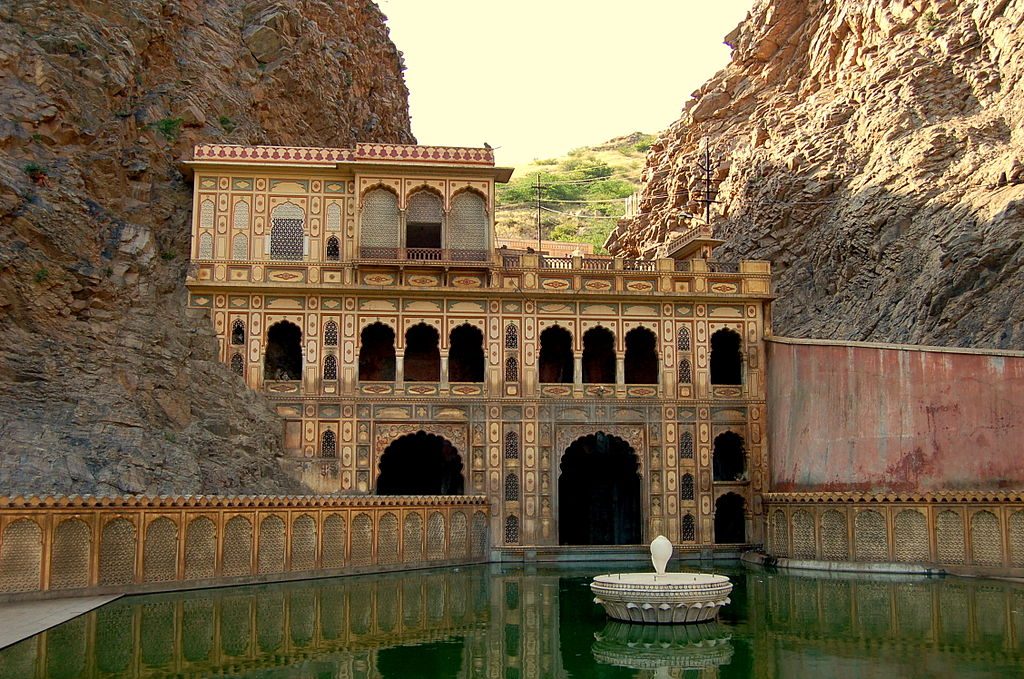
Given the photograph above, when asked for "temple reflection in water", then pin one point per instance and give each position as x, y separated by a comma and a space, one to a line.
504, 623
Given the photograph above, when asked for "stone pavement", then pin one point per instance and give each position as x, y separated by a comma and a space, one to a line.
23, 619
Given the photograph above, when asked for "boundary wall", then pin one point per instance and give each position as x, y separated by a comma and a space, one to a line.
76, 545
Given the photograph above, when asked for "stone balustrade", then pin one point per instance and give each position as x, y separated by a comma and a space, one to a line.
139, 543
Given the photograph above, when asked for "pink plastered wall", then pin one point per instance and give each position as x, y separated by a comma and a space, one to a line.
890, 418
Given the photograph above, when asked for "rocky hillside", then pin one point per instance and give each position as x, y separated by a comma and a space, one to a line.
873, 151
106, 383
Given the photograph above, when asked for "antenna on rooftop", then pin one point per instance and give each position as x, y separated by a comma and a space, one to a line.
706, 166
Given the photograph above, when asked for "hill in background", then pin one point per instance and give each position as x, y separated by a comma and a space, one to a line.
582, 194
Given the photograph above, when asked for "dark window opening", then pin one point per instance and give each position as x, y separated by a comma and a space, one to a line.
283, 360
331, 334
237, 364
329, 444
238, 332
729, 457
330, 368
377, 353
420, 464
689, 532
422, 355
599, 356
599, 493
511, 369
333, 249
726, 358
511, 337
466, 354
423, 221
684, 339
641, 362
730, 523
556, 362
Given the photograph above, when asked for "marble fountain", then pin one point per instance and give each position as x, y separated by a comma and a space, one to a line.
660, 597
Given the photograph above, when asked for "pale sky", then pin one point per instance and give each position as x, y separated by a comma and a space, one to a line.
536, 78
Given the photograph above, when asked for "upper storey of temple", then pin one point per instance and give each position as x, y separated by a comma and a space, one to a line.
398, 215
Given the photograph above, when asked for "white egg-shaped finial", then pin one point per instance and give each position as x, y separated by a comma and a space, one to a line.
661, 552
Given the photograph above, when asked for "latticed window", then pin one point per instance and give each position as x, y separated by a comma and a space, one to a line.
379, 220
689, 532
330, 368
241, 219
511, 369
511, 337
333, 249
686, 487
511, 487
237, 364
334, 217
512, 530
329, 444
468, 230
423, 217
206, 210
511, 445
331, 334
684, 339
685, 372
239, 247
205, 246
287, 236
686, 446
238, 332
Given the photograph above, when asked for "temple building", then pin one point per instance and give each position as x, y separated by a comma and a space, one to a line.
593, 400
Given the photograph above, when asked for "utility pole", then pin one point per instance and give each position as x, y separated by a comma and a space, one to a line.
539, 238
704, 165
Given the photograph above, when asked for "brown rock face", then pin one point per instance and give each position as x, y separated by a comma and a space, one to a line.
107, 384
873, 151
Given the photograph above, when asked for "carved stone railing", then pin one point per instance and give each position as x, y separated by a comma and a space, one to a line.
639, 265
425, 254
974, 531
556, 262
723, 267
598, 263
143, 543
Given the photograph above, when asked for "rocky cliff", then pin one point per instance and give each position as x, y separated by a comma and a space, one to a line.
873, 151
107, 384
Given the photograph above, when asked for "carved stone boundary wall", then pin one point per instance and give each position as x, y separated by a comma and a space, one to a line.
138, 543
970, 532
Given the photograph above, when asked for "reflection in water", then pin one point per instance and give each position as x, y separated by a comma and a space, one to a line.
510, 623
688, 647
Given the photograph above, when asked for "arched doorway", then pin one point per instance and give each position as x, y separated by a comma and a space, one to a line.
283, 359
422, 355
726, 357
556, 361
599, 493
730, 519
466, 354
728, 458
641, 364
420, 464
599, 356
377, 353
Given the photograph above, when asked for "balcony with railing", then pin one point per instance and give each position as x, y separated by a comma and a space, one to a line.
424, 255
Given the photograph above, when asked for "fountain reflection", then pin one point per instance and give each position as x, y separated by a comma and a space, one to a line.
647, 647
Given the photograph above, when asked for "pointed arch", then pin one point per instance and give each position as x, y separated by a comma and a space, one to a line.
466, 354
241, 216
683, 340
239, 247
726, 357
377, 353
511, 336
599, 356
641, 360
334, 217
422, 354
556, 365
238, 332
205, 246
207, 211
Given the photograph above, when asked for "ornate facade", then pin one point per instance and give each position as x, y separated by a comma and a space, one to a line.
361, 292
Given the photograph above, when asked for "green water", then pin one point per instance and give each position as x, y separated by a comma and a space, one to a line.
511, 623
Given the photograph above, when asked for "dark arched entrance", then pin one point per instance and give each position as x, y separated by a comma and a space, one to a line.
283, 359
599, 493
420, 464
726, 358
556, 361
730, 523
